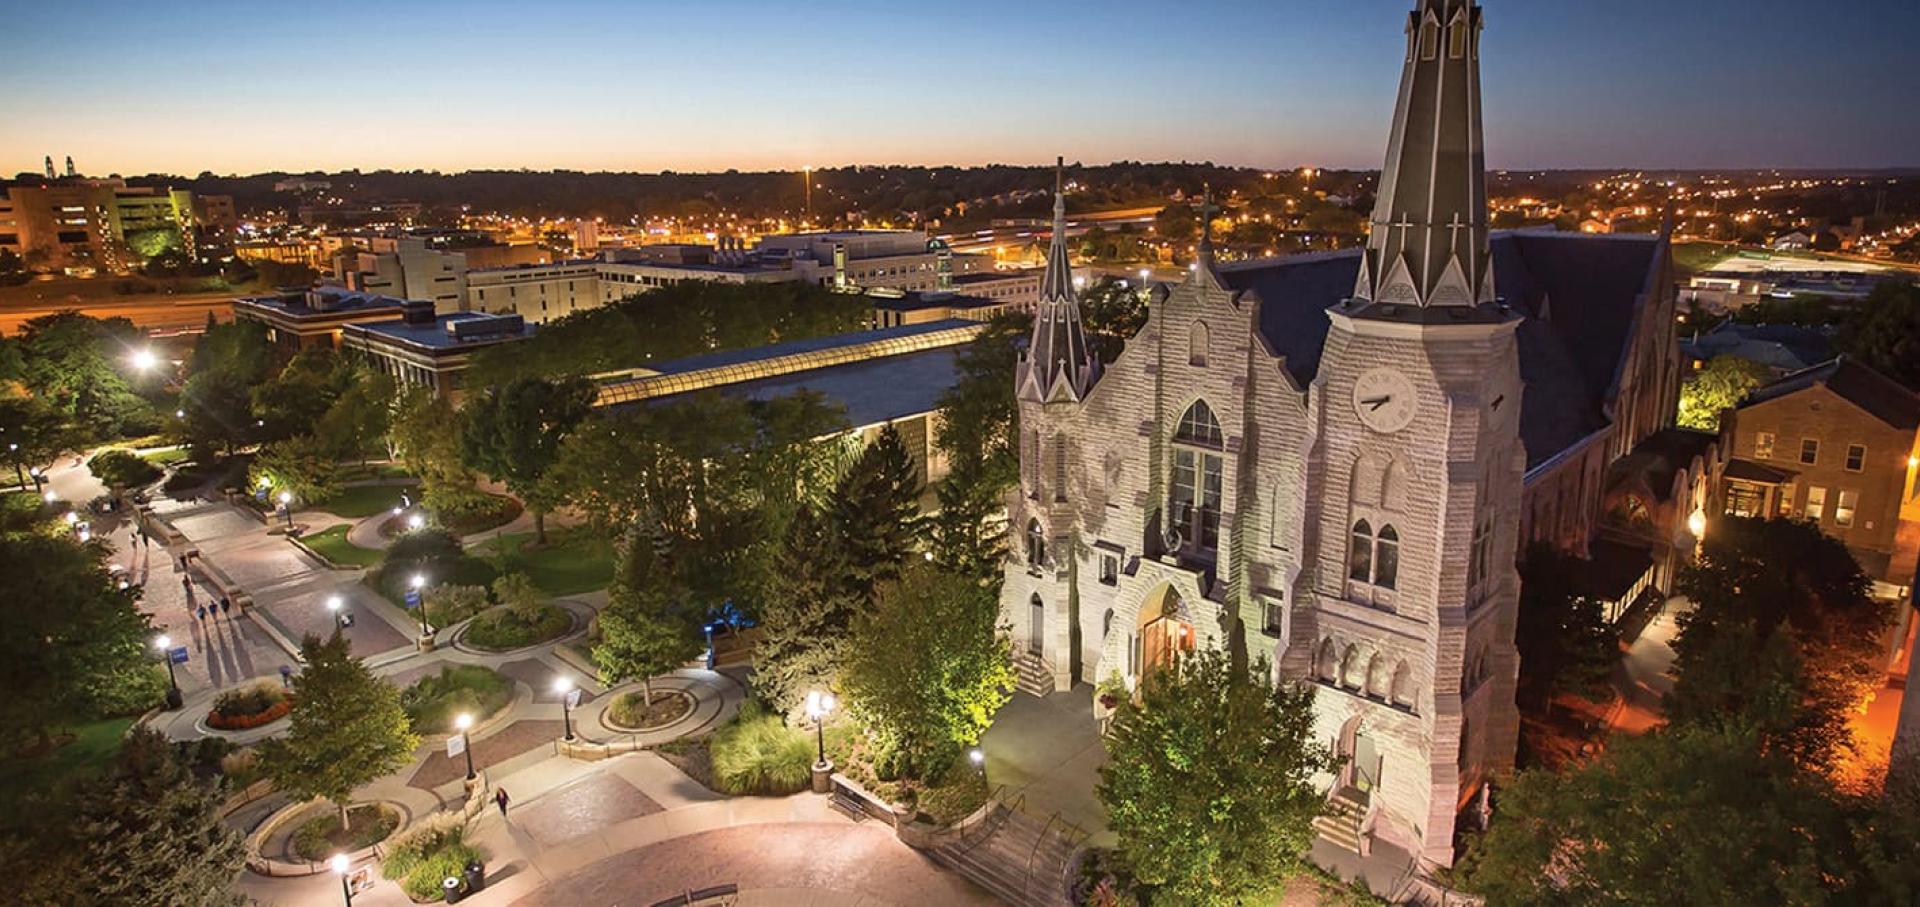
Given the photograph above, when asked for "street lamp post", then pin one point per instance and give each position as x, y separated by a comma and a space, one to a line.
164, 643
564, 686
819, 704
337, 606
463, 722
286, 507
340, 864
419, 584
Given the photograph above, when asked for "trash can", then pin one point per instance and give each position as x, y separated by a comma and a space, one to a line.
476, 876
450, 888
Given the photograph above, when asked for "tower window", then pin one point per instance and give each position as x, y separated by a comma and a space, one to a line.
1374, 559
1197, 345
1360, 556
1457, 39
1036, 545
1196, 491
1429, 40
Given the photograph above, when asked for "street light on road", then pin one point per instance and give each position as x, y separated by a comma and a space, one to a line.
463, 722
564, 686
340, 865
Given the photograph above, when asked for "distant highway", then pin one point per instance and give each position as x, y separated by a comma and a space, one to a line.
155, 311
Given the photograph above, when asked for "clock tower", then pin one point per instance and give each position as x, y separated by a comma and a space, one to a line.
1419, 461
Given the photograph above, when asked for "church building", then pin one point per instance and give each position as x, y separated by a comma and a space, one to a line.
1331, 461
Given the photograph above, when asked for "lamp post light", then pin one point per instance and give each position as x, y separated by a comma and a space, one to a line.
819, 705
337, 606
978, 757
340, 865
286, 507
164, 643
415, 522
419, 585
464, 722
564, 686
144, 360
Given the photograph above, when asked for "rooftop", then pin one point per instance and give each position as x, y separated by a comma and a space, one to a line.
322, 301
1882, 397
438, 335
871, 391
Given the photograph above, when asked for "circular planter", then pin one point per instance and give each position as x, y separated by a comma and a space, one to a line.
460, 641
270, 866
270, 715
607, 720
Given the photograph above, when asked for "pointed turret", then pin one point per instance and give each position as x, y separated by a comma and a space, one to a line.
1059, 364
1428, 245
50, 166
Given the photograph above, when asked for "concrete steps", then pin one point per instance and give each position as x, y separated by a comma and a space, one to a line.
1022, 860
1340, 826
1033, 676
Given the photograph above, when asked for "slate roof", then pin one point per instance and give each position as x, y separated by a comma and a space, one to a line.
1662, 455
1882, 397
1782, 347
1580, 293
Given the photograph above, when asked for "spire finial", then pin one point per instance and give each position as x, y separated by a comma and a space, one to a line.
1207, 210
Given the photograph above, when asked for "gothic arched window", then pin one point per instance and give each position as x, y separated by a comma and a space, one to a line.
1194, 495
1036, 545
1059, 467
1386, 558
1360, 556
1197, 344
1401, 693
1351, 670
1378, 683
1326, 665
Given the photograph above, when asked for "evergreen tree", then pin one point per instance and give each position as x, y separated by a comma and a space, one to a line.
806, 619
875, 514
348, 728
150, 833
969, 534
1208, 781
1565, 643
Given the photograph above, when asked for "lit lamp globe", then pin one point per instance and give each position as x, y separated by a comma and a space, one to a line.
1697, 524
415, 522
145, 360
339, 863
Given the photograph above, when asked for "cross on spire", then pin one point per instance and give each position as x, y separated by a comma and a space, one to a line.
1207, 210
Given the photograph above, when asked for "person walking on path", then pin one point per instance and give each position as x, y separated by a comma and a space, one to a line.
186, 584
501, 799
226, 607
203, 613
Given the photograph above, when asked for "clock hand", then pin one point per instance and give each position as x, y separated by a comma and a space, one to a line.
1374, 403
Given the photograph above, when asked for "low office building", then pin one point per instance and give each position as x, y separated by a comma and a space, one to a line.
315, 316
889, 376
888, 260
428, 349
1839, 445
893, 309
1780, 348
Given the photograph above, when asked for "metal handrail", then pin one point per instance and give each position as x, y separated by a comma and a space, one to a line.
1026, 882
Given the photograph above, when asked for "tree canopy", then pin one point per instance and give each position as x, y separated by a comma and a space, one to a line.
1208, 777
1883, 332
514, 433
1718, 386
347, 727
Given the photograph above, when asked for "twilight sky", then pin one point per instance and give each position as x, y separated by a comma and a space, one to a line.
172, 86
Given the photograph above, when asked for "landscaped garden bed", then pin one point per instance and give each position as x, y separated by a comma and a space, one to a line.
321, 837
432, 554
497, 511
944, 798
755, 753
631, 712
360, 501
433, 850
250, 706
502, 629
573, 561
433, 701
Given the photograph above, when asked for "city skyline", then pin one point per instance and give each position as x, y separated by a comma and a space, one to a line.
753, 87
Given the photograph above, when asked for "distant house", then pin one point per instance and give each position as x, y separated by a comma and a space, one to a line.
1791, 241
1781, 348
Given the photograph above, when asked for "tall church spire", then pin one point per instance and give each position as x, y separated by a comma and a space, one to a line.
1059, 364
1428, 245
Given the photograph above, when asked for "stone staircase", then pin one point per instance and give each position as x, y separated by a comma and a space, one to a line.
1034, 677
1019, 859
1341, 824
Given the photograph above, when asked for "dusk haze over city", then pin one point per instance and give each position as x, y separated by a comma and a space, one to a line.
1458, 453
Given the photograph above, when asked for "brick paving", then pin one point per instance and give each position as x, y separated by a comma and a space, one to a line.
499, 746
584, 806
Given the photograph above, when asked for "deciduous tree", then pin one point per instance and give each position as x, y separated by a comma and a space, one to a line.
646, 628
928, 667
1883, 332
347, 728
514, 434
1716, 388
1208, 781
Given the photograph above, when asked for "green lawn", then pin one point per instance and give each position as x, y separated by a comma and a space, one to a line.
354, 472
166, 457
331, 543
92, 746
573, 562
360, 501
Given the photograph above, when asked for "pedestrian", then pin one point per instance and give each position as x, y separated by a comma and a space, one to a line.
226, 607
186, 585
286, 677
501, 799
203, 614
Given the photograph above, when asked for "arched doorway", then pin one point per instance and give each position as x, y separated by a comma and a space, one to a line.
1036, 625
1163, 630
1359, 755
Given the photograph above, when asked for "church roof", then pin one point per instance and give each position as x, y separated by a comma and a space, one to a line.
1579, 293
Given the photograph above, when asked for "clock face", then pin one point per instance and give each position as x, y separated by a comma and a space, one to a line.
1384, 399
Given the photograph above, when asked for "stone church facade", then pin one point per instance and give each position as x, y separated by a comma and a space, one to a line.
1328, 461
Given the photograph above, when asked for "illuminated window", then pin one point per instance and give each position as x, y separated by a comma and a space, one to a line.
1843, 508
1816, 502
1763, 445
1360, 554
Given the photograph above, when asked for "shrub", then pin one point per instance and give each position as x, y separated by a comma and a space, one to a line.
433, 552
450, 604
319, 837
122, 468
248, 700
758, 754
427, 837
423, 883
508, 628
632, 710
432, 701
241, 767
